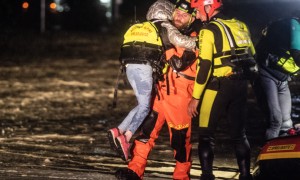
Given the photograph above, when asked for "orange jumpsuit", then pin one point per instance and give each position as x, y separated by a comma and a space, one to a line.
171, 108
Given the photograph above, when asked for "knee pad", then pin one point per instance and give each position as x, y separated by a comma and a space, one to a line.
178, 143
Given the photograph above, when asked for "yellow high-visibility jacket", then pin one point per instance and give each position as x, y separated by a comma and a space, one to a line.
215, 50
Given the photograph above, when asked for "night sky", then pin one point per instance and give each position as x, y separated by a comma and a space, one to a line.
93, 15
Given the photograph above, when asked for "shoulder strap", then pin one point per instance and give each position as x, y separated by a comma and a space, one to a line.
120, 74
229, 37
162, 33
154, 25
165, 43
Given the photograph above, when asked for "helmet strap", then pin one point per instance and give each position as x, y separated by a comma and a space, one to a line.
207, 16
190, 22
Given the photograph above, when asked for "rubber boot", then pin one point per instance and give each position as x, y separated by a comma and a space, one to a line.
206, 157
245, 177
207, 177
140, 155
126, 174
182, 171
242, 150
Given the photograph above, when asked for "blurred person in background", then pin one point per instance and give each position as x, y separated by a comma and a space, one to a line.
175, 92
226, 62
278, 57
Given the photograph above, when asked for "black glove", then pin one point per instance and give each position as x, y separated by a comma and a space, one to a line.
182, 63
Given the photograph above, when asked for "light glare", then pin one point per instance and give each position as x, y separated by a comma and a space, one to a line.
25, 5
53, 6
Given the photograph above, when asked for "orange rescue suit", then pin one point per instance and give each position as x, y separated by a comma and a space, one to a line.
171, 107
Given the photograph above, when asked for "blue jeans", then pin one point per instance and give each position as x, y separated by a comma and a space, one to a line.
140, 79
278, 98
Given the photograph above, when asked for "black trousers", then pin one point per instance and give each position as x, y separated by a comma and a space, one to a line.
223, 98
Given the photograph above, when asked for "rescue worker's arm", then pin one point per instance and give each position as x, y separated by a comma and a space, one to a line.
206, 50
180, 58
178, 39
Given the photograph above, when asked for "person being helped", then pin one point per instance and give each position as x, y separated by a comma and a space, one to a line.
141, 55
175, 93
226, 60
278, 53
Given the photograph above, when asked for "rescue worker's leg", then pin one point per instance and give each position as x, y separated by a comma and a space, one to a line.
237, 117
180, 142
144, 143
206, 153
179, 124
228, 96
211, 109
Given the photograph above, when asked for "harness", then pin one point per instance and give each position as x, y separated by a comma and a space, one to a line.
184, 75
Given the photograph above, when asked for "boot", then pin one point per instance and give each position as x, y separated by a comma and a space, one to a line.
182, 170
207, 177
245, 177
206, 157
126, 174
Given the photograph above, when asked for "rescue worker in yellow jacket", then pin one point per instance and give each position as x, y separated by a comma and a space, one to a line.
170, 106
225, 62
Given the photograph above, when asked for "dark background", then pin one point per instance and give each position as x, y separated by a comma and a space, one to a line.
90, 15
20, 27
82, 29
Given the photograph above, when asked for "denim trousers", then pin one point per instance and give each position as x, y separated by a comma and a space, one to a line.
278, 98
141, 81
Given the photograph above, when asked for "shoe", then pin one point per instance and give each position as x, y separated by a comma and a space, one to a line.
126, 174
123, 147
245, 177
207, 177
292, 132
112, 135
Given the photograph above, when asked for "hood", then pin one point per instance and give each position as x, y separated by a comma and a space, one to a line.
161, 10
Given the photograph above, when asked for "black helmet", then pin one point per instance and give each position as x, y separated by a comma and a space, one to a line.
185, 5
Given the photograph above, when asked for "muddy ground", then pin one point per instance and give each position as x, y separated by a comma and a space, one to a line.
55, 109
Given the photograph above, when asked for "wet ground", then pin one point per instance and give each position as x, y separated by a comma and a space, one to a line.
54, 118
54, 114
